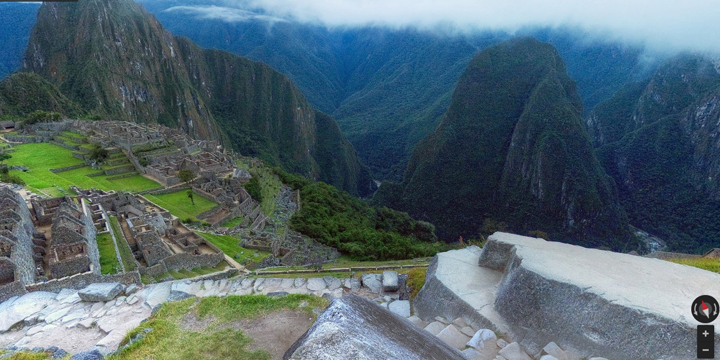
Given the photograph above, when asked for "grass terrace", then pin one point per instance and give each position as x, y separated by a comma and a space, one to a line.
217, 338
232, 223
42, 157
179, 204
229, 245
125, 252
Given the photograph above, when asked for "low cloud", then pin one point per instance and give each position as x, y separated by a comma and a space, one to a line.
223, 13
660, 24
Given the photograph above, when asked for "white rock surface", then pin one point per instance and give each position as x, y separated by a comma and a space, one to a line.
482, 339
553, 349
157, 294
316, 284
548, 357
435, 327
400, 307
513, 352
417, 321
24, 307
451, 335
472, 354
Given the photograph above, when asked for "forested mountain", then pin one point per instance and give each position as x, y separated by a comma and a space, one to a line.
117, 61
512, 147
387, 88
17, 21
660, 141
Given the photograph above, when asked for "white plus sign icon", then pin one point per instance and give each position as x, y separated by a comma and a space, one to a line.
705, 334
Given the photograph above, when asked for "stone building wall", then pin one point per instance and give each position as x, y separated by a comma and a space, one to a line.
67, 267
79, 281
16, 235
10, 290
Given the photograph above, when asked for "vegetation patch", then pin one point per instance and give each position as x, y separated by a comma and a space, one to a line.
109, 263
167, 336
230, 246
337, 219
232, 223
180, 205
126, 254
702, 263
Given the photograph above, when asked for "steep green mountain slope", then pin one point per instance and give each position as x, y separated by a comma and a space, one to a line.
16, 21
23, 93
512, 147
659, 140
116, 60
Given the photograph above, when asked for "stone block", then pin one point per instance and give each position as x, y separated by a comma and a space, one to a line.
554, 350
435, 327
390, 281
513, 351
372, 282
400, 307
451, 335
100, 292
316, 284
482, 339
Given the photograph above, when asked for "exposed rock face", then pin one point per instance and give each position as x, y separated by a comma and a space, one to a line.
117, 61
355, 328
512, 147
598, 302
551, 295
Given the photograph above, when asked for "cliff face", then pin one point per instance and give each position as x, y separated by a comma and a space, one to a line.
117, 61
660, 141
512, 147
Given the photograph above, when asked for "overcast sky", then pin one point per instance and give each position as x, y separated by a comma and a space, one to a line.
662, 24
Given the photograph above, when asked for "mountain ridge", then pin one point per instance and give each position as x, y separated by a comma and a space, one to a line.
512, 147
117, 61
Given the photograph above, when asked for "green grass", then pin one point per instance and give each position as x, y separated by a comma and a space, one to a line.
229, 245
270, 186
109, 263
125, 252
702, 263
232, 223
180, 205
74, 135
28, 356
42, 157
168, 340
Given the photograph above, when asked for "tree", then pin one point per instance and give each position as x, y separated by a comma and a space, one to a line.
99, 154
186, 175
4, 156
191, 196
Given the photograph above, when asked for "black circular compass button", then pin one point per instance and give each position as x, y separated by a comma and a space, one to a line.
705, 309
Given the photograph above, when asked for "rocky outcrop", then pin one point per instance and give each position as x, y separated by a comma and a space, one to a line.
548, 296
355, 328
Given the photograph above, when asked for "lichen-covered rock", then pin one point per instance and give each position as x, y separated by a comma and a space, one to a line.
355, 328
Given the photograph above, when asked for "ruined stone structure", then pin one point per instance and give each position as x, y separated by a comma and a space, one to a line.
72, 246
17, 249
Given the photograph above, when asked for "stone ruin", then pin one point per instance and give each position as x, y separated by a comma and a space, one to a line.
159, 241
54, 239
18, 246
69, 229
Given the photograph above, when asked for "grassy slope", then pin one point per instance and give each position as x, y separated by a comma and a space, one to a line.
168, 340
109, 263
125, 252
40, 158
180, 205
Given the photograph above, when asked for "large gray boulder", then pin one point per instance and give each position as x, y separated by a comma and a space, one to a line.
100, 292
596, 302
355, 328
